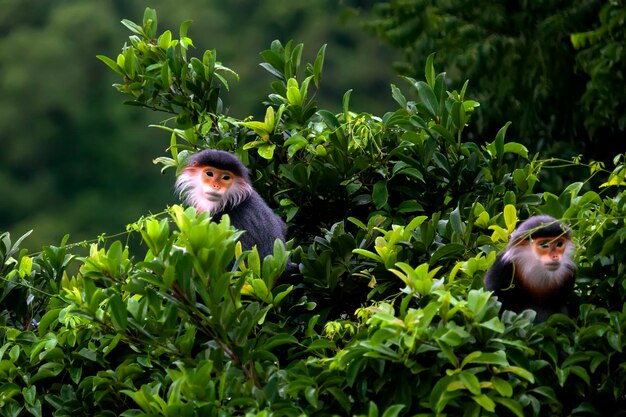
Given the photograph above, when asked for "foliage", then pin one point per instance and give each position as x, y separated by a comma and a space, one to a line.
395, 220
603, 58
522, 63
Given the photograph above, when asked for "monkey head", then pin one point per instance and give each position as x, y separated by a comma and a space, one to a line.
542, 248
214, 181
536, 270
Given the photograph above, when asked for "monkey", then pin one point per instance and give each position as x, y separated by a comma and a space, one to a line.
217, 182
536, 270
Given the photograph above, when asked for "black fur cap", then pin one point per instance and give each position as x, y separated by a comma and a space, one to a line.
220, 159
540, 226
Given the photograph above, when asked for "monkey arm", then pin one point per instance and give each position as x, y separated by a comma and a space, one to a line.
500, 279
500, 276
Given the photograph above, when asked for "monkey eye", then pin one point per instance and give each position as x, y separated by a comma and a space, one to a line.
226, 177
209, 173
543, 245
560, 243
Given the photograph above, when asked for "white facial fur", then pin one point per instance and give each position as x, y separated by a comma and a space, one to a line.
195, 191
532, 270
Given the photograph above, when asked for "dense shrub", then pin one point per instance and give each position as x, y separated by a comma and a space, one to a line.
394, 219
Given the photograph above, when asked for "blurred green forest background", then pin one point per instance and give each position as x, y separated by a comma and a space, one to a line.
74, 160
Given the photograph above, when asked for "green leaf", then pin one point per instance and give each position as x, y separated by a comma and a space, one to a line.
47, 370
260, 289
510, 217
439, 395
454, 337
294, 60
485, 402
130, 62
380, 194
490, 358
427, 95
357, 222
514, 406
521, 372
165, 39
150, 22
26, 266
331, 121
412, 173
184, 27
410, 206
445, 133
398, 96
470, 381
111, 64
269, 119
394, 410
48, 319
8, 390
367, 254
516, 148
14, 353
430, 70
547, 392
372, 410
295, 143
266, 151
294, 96
462, 95
318, 66
581, 373
455, 220
493, 324
135, 28
499, 142
166, 76
503, 387
459, 119
310, 393
345, 105
614, 341
119, 316
449, 251
342, 398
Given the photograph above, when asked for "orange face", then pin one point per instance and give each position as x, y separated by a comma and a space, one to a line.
216, 182
549, 250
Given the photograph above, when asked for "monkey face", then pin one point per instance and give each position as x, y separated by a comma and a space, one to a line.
216, 182
212, 189
550, 251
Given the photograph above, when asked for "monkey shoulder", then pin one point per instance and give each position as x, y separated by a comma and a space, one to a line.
254, 211
501, 279
261, 225
501, 275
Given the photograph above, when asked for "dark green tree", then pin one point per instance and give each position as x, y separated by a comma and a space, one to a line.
602, 57
523, 65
